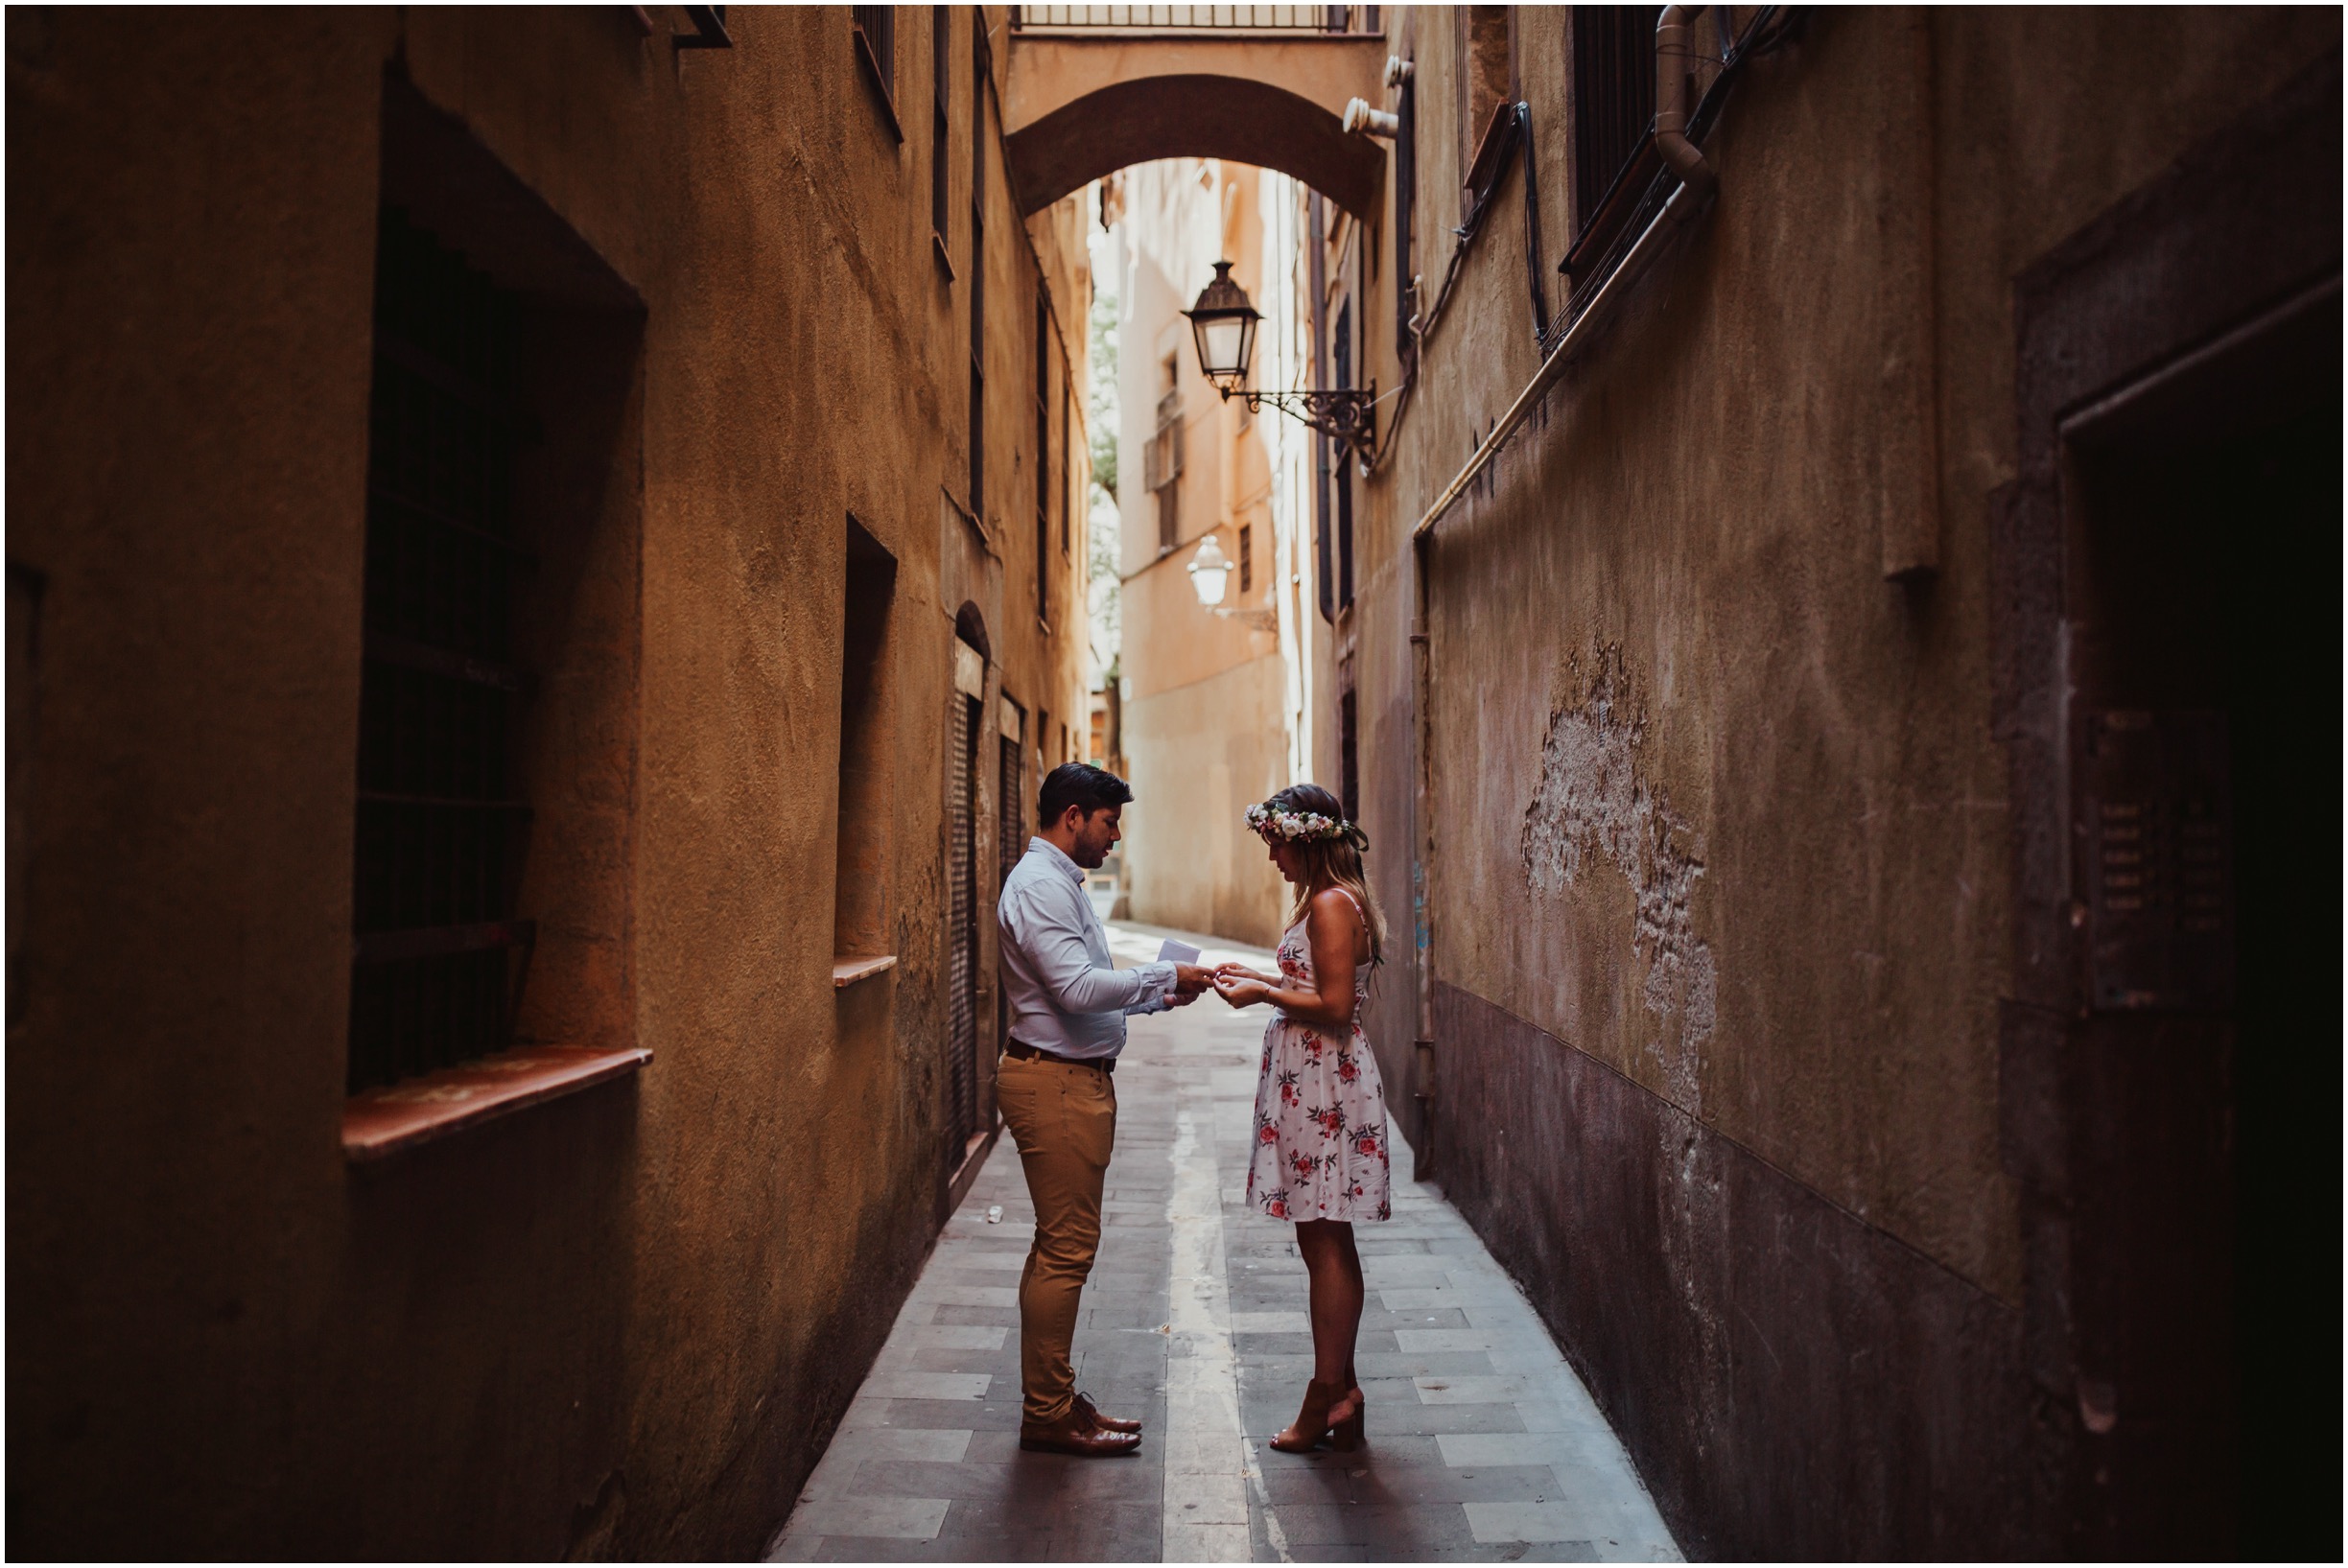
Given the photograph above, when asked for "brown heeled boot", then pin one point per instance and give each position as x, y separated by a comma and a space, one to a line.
1312, 1423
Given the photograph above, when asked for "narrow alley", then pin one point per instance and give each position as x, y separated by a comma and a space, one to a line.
556, 554
1483, 1447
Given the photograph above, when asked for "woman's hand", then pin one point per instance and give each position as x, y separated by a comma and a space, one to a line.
1233, 967
1241, 990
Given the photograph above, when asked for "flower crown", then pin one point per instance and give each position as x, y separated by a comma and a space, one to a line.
1306, 827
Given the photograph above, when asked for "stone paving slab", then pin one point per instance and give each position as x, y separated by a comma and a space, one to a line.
1484, 1447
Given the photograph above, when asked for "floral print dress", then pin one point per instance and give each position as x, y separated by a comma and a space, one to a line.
1320, 1150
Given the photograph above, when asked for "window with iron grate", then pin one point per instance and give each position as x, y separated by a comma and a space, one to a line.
438, 954
874, 30
977, 266
1247, 559
1613, 124
1348, 755
876, 26
1043, 465
941, 68
1341, 355
1161, 463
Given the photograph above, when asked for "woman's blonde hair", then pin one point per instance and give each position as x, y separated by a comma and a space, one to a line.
1331, 861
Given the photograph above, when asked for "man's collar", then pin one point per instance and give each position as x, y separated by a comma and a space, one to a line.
1058, 856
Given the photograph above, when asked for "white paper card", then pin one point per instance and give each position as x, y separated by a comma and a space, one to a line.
1172, 952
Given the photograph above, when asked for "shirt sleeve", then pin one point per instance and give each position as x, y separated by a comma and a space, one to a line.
1054, 944
1160, 994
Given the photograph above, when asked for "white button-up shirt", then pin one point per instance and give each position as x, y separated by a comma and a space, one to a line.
1064, 995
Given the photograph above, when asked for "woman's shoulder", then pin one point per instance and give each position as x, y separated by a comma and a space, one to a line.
1336, 903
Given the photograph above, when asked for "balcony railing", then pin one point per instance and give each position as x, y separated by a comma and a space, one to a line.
1292, 19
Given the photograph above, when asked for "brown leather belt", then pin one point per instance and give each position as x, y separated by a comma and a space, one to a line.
1028, 1053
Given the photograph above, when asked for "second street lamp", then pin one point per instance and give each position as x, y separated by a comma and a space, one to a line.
1223, 322
1209, 570
1211, 578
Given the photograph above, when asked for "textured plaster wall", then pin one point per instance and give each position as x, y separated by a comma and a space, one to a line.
1714, 802
1719, 843
619, 1325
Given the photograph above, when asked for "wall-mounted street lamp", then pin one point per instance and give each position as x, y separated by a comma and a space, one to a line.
1209, 570
1210, 574
1224, 324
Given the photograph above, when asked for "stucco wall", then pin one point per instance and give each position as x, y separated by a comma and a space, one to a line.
1713, 804
621, 1323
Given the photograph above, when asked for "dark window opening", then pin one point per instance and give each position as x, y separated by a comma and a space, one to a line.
977, 265
438, 956
941, 64
1349, 758
1162, 461
1316, 252
1042, 466
1060, 475
1247, 559
1613, 120
860, 921
1342, 351
874, 32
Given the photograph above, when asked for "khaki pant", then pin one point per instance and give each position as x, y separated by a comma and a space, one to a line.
1064, 1120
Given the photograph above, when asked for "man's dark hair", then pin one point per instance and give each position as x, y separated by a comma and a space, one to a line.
1080, 784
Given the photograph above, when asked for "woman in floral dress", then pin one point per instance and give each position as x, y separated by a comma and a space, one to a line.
1320, 1151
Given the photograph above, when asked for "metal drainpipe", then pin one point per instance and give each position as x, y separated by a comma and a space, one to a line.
1674, 63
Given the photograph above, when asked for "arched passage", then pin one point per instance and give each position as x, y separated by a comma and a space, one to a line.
1204, 116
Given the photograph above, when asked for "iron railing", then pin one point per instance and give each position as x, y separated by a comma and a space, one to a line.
1359, 19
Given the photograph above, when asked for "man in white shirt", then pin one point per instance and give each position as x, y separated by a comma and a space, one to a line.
1067, 1008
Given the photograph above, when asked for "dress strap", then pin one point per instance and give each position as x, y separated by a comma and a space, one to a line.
1360, 972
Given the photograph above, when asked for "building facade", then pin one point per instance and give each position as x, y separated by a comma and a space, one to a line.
1797, 614
544, 569
1215, 706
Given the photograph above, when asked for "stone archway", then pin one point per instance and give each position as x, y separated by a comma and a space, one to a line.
1081, 106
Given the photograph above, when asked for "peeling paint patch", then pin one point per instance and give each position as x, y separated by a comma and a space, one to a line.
1593, 807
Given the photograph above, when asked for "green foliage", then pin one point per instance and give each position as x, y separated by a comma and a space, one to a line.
1101, 409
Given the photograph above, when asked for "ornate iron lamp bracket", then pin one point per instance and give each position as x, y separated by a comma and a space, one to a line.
1347, 415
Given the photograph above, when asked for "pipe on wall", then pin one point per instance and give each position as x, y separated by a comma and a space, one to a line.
1675, 65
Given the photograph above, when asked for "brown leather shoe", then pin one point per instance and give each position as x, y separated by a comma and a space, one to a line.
1106, 1423
1075, 1434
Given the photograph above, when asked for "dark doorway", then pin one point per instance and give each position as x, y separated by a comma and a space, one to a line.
2202, 597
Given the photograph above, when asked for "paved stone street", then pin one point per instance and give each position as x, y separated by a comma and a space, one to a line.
1482, 1443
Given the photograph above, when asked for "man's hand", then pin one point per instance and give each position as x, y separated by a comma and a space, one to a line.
1189, 979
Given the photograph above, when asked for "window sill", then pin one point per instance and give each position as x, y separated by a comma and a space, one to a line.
847, 972
937, 249
380, 1122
